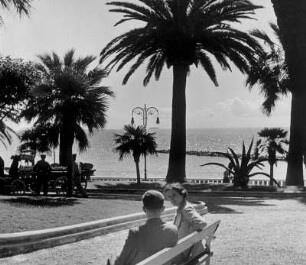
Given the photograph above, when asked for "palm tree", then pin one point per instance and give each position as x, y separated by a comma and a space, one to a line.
22, 6
270, 72
178, 34
271, 142
272, 75
135, 141
290, 19
70, 98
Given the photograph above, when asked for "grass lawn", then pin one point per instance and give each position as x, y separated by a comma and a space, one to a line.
34, 213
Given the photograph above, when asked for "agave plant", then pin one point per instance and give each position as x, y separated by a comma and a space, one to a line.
240, 167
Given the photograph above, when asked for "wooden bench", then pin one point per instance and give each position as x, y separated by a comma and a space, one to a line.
166, 255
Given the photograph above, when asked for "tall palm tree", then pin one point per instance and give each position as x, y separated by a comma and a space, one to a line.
70, 98
272, 75
178, 34
135, 141
22, 6
272, 141
291, 20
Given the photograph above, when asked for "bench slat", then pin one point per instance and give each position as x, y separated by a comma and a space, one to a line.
168, 254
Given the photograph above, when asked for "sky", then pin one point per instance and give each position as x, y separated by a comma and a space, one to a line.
87, 26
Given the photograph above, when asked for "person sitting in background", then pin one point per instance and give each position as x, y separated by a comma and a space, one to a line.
187, 218
76, 177
230, 167
226, 178
151, 237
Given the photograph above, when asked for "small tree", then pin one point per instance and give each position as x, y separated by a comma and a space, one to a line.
272, 141
135, 141
16, 79
41, 138
241, 167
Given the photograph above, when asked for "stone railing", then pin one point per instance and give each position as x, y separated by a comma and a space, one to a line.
252, 182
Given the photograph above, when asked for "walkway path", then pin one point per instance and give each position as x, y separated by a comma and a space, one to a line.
252, 231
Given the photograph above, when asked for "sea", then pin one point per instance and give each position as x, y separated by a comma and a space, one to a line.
107, 164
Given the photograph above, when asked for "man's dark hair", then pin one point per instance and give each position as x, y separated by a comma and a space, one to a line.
153, 200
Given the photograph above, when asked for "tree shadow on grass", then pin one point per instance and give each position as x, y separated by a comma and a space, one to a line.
47, 202
226, 205
113, 196
302, 200
214, 204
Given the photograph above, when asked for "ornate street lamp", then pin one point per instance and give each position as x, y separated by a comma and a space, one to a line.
145, 112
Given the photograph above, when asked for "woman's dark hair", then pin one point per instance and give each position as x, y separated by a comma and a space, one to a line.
178, 187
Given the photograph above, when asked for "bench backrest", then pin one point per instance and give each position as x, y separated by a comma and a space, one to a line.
167, 254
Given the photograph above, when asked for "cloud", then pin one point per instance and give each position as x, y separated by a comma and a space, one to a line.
237, 112
233, 107
239, 108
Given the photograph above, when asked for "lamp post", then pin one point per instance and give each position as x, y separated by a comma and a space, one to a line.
145, 112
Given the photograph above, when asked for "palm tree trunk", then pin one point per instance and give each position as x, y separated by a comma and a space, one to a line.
66, 144
294, 174
65, 149
291, 20
177, 155
271, 173
136, 160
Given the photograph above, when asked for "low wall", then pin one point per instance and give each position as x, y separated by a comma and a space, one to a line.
24, 242
257, 182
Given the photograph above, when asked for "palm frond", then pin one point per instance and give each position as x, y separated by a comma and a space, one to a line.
173, 31
69, 58
22, 6
218, 164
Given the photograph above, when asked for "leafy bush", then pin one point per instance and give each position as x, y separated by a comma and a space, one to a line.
240, 167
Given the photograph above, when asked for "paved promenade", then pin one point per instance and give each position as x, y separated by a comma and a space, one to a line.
266, 231
91, 251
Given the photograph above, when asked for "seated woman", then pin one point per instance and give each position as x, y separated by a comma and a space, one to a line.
187, 218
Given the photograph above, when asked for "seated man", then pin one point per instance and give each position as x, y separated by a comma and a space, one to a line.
151, 237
